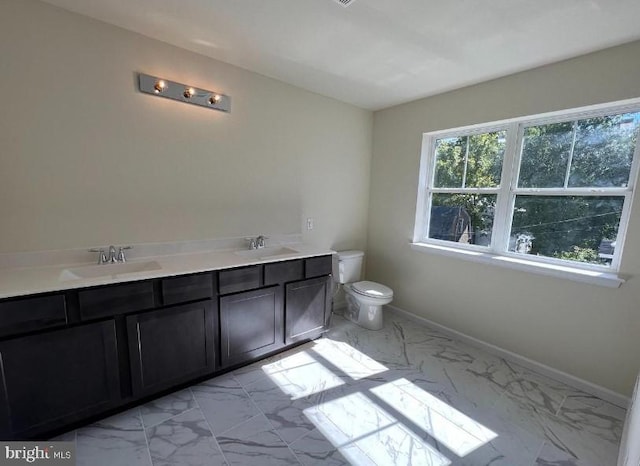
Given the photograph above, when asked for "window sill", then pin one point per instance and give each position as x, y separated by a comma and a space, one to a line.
608, 279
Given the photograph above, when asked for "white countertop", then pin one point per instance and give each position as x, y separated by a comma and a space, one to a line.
20, 281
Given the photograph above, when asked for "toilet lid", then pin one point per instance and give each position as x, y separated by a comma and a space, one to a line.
372, 289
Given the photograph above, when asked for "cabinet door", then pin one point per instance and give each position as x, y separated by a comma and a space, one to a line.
308, 304
171, 346
250, 325
58, 377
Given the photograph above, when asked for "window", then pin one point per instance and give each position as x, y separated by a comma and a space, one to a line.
555, 189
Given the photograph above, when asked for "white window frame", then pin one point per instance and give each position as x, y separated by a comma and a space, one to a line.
497, 252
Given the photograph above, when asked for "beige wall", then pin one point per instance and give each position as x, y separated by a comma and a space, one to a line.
588, 331
85, 159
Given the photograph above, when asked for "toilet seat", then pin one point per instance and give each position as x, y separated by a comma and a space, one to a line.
372, 289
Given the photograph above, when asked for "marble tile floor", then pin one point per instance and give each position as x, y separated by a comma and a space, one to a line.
405, 395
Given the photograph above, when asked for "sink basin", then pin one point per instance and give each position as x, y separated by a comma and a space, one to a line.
267, 253
108, 270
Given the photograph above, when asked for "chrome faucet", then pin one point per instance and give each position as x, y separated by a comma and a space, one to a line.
257, 242
121, 255
102, 256
113, 258
114, 255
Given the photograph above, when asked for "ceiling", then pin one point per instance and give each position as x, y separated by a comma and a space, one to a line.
377, 53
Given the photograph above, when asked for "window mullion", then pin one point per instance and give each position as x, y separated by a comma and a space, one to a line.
465, 190
466, 163
573, 145
571, 191
504, 202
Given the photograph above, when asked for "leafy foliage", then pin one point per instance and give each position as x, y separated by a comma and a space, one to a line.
580, 254
561, 223
474, 162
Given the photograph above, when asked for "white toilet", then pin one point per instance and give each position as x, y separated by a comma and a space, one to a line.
364, 299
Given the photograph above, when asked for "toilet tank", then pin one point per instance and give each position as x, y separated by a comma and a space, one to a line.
350, 266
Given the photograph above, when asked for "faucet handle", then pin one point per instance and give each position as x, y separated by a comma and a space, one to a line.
102, 256
260, 241
253, 243
121, 255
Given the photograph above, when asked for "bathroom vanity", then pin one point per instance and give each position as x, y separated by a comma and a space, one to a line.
73, 354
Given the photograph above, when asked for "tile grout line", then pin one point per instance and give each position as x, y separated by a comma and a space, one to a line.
241, 423
304, 434
557, 413
167, 419
273, 428
540, 448
253, 402
286, 444
146, 437
215, 439
243, 385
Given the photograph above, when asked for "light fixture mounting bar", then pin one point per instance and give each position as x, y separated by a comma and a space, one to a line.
161, 87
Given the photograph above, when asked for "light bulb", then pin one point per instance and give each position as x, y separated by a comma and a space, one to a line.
159, 86
189, 92
214, 99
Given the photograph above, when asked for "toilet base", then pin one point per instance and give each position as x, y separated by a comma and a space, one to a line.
365, 315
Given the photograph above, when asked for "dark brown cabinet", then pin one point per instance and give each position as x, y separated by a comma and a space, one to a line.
187, 288
283, 272
308, 304
317, 266
33, 313
68, 355
250, 325
171, 346
240, 279
107, 301
57, 377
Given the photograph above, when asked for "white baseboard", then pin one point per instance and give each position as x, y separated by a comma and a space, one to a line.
571, 380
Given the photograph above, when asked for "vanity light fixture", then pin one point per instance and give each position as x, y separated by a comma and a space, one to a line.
183, 92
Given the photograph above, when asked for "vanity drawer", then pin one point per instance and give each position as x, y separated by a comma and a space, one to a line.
26, 314
187, 288
283, 272
317, 266
117, 299
241, 279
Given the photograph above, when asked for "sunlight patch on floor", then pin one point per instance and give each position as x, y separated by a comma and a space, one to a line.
458, 432
349, 360
301, 375
393, 422
365, 434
